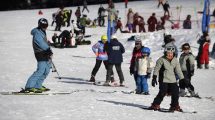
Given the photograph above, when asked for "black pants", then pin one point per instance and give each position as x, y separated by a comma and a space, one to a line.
186, 82
168, 87
86, 9
101, 20
119, 72
97, 66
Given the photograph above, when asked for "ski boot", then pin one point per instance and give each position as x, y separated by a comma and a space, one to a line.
145, 93
175, 108
154, 107
92, 79
182, 93
44, 89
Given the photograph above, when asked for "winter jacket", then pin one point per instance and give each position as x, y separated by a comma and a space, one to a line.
115, 50
187, 24
143, 65
203, 54
170, 68
166, 6
135, 54
152, 21
99, 50
187, 62
41, 48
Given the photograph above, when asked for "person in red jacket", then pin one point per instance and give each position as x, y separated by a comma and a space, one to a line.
203, 55
152, 21
136, 19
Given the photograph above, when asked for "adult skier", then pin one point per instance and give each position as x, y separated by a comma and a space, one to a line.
43, 55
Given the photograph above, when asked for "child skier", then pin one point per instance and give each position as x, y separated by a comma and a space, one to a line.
166, 67
135, 54
101, 56
143, 65
187, 63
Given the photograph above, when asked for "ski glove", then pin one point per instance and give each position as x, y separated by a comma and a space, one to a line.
148, 75
154, 80
191, 73
131, 71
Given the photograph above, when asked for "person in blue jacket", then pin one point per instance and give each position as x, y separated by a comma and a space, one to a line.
43, 55
114, 50
101, 56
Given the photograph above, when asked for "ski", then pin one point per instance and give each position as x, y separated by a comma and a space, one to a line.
164, 110
32, 93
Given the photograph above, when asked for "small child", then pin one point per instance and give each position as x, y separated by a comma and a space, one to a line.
144, 66
187, 63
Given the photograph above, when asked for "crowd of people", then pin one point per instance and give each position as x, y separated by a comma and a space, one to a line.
168, 71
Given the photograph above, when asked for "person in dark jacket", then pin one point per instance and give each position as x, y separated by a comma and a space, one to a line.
114, 50
187, 63
101, 14
59, 21
65, 38
187, 24
78, 14
152, 21
43, 55
166, 8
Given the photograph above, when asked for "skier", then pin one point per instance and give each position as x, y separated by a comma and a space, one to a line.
101, 56
112, 15
152, 21
187, 24
136, 53
143, 65
166, 67
83, 23
78, 14
114, 50
101, 18
130, 19
43, 55
187, 63
85, 6
136, 22
166, 8
59, 21
203, 54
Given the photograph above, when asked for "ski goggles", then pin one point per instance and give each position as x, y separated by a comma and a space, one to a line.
170, 49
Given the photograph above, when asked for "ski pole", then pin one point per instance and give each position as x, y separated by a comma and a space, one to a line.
54, 69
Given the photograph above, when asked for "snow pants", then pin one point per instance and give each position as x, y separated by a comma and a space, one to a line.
37, 78
186, 82
168, 87
98, 65
142, 85
119, 72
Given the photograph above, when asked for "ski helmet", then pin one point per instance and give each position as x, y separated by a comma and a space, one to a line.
104, 38
146, 50
169, 49
43, 23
